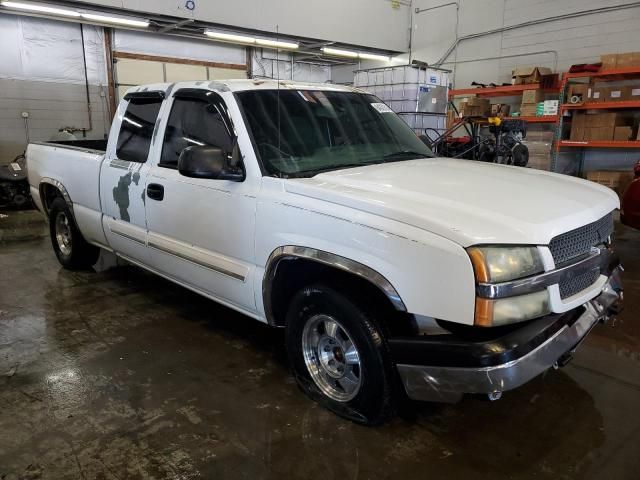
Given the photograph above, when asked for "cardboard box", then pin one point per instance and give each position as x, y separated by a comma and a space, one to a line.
598, 94
599, 133
532, 96
634, 93
612, 61
616, 180
475, 107
616, 94
528, 110
609, 61
500, 109
527, 75
597, 126
477, 102
609, 119
577, 133
628, 59
578, 93
622, 134
472, 111
539, 136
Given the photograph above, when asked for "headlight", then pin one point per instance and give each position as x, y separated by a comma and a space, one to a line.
497, 264
503, 311
501, 264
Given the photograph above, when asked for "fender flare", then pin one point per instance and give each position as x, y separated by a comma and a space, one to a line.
326, 258
63, 191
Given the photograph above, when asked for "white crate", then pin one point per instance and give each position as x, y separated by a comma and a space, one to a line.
404, 105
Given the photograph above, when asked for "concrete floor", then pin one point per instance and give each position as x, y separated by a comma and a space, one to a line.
123, 375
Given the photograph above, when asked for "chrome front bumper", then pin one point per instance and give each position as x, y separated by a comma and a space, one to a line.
448, 384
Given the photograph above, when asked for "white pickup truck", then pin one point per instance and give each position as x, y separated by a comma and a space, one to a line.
316, 209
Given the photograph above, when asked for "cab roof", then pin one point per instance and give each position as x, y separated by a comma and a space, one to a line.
240, 85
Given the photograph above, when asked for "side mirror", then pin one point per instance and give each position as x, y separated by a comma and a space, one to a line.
208, 162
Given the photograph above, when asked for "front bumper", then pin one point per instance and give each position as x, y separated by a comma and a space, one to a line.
435, 369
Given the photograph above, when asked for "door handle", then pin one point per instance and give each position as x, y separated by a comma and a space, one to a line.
155, 191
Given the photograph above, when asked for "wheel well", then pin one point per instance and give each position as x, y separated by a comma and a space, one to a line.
293, 274
48, 193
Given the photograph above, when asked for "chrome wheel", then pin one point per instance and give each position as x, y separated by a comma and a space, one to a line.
63, 233
331, 358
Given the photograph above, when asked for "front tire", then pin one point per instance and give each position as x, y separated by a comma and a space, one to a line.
71, 249
339, 355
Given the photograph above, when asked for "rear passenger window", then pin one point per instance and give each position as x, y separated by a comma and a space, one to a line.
136, 129
193, 122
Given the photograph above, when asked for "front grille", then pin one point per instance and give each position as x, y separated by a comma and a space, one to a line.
578, 283
578, 242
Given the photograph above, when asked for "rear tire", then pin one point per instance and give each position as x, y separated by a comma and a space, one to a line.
339, 355
71, 249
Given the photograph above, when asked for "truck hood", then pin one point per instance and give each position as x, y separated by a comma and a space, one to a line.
465, 201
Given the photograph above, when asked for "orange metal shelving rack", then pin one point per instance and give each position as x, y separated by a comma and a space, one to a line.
604, 76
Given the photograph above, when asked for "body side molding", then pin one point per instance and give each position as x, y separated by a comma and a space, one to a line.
331, 260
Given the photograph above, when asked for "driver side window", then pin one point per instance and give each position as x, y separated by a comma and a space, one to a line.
193, 122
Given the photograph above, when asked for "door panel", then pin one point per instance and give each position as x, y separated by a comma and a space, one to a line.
123, 178
202, 231
202, 234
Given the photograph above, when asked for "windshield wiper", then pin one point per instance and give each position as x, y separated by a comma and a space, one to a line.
314, 172
390, 157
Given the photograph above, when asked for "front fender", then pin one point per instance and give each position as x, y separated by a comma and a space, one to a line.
430, 275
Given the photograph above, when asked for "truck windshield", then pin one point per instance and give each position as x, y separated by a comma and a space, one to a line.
313, 131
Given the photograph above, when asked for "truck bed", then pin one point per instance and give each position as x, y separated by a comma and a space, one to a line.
84, 144
76, 166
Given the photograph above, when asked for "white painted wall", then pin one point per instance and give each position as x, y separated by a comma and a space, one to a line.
369, 23
577, 40
42, 73
269, 64
178, 47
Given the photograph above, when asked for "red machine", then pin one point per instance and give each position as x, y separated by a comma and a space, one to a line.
630, 210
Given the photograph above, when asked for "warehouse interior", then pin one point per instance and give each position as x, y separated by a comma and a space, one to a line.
116, 372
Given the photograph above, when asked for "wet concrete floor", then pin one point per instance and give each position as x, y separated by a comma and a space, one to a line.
122, 375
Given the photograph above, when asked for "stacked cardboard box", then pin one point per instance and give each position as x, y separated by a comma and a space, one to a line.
500, 110
612, 61
579, 93
530, 101
539, 145
616, 180
527, 75
615, 92
475, 107
622, 91
600, 126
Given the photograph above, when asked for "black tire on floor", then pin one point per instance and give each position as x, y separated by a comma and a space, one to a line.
373, 400
72, 250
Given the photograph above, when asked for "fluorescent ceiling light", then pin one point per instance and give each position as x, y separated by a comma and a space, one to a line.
339, 52
229, 37
348, 53
117, 20
96, 17
372, 56
276, 43
263, 42
34, 7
